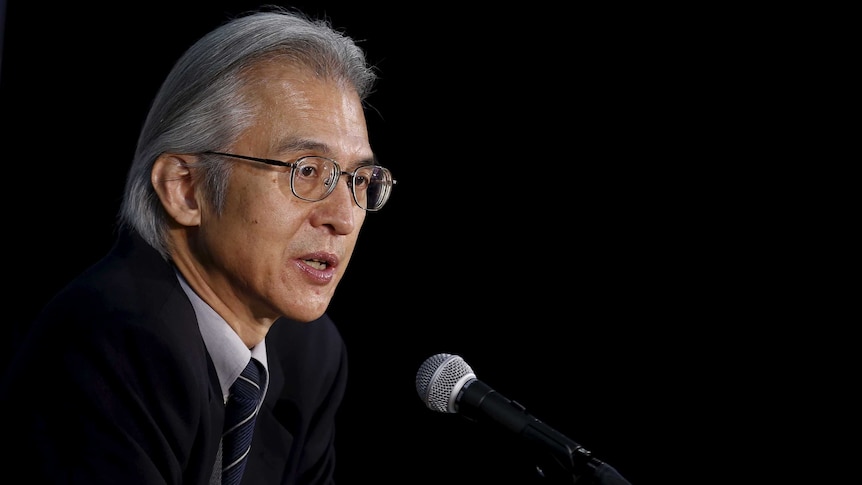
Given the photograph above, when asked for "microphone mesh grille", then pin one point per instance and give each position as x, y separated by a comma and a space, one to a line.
437, 378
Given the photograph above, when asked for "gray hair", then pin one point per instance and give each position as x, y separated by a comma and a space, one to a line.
200, 107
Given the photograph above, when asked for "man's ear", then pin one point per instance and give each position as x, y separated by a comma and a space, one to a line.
175, 186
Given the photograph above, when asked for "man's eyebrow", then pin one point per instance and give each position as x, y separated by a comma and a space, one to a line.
302, 144
306, 144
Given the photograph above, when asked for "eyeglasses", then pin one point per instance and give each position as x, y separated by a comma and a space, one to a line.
313, 178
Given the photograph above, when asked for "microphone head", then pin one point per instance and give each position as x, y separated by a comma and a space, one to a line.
440, 379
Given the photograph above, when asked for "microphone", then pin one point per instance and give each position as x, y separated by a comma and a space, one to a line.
447, 384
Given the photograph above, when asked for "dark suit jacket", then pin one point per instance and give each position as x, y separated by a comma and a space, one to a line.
113, 385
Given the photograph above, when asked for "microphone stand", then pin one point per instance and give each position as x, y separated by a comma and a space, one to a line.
573, 461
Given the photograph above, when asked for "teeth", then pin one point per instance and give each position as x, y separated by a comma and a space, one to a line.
315, 264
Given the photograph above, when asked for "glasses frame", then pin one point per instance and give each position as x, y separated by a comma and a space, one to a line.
330, 187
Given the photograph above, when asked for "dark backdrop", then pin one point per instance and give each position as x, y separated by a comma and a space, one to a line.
542, 227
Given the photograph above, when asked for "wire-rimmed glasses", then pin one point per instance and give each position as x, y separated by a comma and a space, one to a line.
313, 178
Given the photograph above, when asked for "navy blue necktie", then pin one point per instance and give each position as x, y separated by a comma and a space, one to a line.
240, 413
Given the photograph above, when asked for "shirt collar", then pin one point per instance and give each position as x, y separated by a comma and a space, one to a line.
228, 352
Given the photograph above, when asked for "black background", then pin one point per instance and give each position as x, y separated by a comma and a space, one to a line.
549, 223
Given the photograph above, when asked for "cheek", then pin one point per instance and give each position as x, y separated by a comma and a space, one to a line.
262, 213
253, 198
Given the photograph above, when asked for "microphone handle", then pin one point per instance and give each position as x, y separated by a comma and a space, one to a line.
477, 398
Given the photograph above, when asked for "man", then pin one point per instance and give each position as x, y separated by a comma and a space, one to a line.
252, 177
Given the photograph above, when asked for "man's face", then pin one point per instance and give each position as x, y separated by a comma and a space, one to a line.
271, 253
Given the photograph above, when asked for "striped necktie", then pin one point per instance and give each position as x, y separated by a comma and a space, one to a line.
240, 413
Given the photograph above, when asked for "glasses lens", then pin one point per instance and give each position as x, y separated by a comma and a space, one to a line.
372, 184
313, 178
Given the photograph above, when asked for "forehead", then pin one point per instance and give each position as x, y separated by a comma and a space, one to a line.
280, 81
292, 103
